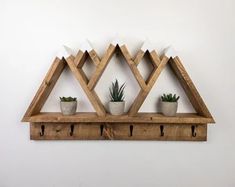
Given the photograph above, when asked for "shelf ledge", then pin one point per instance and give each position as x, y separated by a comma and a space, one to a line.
183, 118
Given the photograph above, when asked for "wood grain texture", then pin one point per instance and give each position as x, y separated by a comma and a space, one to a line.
189, 87
185, 118
80, 58
106, 131
139, 56
92, 96
139, 100
155, 58
101, 67
133, 66
94, 57
130, 126
45, 88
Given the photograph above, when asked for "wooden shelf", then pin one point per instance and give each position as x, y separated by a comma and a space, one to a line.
184, 118
131, 126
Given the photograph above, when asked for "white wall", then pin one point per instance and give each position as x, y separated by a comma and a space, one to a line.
31, 32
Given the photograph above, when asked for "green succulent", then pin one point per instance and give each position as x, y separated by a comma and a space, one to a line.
169, 98
68, 99
116, 92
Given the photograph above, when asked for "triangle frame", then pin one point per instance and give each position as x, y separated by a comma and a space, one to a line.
181, 74
75, 64
50, 80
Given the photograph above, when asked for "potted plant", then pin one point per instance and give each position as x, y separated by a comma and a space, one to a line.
68, 105
169, 104
117, 103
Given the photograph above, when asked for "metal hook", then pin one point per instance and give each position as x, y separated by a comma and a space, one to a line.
194, 134
42, 130
71, 130
101, 130
131, 130
162, 130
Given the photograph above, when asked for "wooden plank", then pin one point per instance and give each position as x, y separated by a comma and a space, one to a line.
155, 58
101, 67
78, 58
101, 131
84, 117
92, 96
133, 67
45, 88
139, 100
79, 62
94, 57
60, 131
156, 73
83, 76
189, 87
139, 56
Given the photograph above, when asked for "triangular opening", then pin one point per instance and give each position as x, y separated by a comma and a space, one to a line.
118, 69
167, 82
146, 66
67, 85
88, 67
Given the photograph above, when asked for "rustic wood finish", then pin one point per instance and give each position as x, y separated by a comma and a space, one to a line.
139, 100
189, 87
92, 96
130, 126
88, 117
46, 87
116, 131
101, 66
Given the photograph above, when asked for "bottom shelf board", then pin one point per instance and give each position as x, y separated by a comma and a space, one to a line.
116, 131
185, 118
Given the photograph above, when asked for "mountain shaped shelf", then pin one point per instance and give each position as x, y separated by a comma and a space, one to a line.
130, 126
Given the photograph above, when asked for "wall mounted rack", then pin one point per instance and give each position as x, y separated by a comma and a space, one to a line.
130, 126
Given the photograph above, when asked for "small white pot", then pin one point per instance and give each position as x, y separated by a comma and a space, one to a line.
68, 108
116, 108
169, 108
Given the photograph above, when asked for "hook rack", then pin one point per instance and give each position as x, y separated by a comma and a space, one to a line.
130, 126
117, 131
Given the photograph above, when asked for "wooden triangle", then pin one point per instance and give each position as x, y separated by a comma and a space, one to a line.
50, 80
183, 77
76, 63
189, 88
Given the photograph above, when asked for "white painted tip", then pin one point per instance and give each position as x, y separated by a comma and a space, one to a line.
170, 52
117, 41
65, 52
86, 46
147, 46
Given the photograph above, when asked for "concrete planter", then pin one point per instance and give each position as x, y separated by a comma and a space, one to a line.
116, 108
169, 108
68, 108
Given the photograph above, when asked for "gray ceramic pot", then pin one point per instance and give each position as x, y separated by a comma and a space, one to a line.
169, 108
116, 108
68, 108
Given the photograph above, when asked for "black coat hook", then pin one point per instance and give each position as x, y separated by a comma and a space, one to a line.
71, 130
161, 130
101, 130
42, 130
194, 134
131, 130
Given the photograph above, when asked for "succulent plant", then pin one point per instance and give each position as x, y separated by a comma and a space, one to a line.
170, 98
117, 92
68, 99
